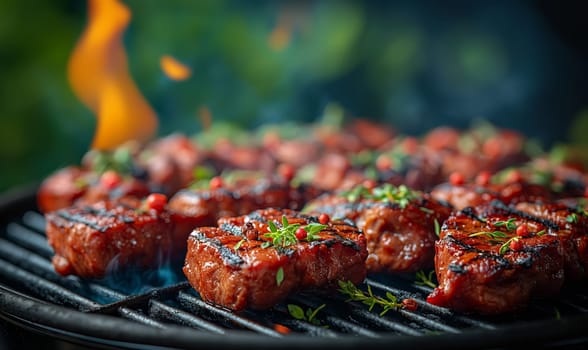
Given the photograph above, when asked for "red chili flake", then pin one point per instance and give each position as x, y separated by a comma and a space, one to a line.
324, 218
287, 171
110, 179
301, 233
522, 231
483, 178
456, 179
216, 183
371, 184
515, 244
410, 145
410, 304
281, 328
156, 201
383, 162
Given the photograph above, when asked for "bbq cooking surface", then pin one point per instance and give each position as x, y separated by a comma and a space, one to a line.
165, 311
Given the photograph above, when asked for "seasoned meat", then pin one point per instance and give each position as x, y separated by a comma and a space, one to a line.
399, 224
95, 240
237, 266
170, 162
461, 196
191, 208
493, 260
62, 188
573, 233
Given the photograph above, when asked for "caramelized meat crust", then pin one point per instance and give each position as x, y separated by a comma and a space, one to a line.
484, 265
400, 237
234, 264
92, 241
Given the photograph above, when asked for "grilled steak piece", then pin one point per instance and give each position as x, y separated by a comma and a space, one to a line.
191, 208
573, 233
461, 196
95, 240
236, 265
62, 188
493, 260
399, 224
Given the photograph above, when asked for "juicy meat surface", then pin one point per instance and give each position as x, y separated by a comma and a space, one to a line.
572, 233
400, 235
94, 240
484, 266
203, 207
234, 264
471, 194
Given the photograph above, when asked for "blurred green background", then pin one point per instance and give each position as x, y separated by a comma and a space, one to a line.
412, 64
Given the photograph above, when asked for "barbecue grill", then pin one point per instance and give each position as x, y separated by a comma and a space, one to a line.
97, 313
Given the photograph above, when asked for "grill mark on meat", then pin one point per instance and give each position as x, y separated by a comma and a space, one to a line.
78, 218
227, 254
232, 229
509, 209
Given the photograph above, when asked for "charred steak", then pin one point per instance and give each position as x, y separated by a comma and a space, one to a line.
257, 260
491, 260
94, 240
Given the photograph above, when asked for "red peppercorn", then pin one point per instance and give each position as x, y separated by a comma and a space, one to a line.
456, 179
301, 233
369, 184
383, 163
287, 171
110, 179
156, 201
216, 183
410, 304
324, 219
515, 244
522, 231
483, 178
514, 176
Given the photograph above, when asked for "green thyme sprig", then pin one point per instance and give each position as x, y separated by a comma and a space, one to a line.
286, 235
309, 316
356, 294
508, 224
401, 195
356, 193
423, 279
119, 160
572, 218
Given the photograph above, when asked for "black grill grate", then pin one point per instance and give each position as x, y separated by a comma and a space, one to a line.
173, 315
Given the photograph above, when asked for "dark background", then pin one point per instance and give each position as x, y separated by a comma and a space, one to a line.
412, 64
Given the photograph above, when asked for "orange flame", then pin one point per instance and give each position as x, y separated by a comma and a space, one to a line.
174, 69
99, 76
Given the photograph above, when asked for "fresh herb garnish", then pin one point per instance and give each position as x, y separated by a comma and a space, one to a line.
425, 279
506, 245
540, 233
508, 224
356, 193
356, 294
401, 195
572, 218
280, 276
286, 235
238, 245
426, 210
496, 235
437, 227
119, 160
309, 316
